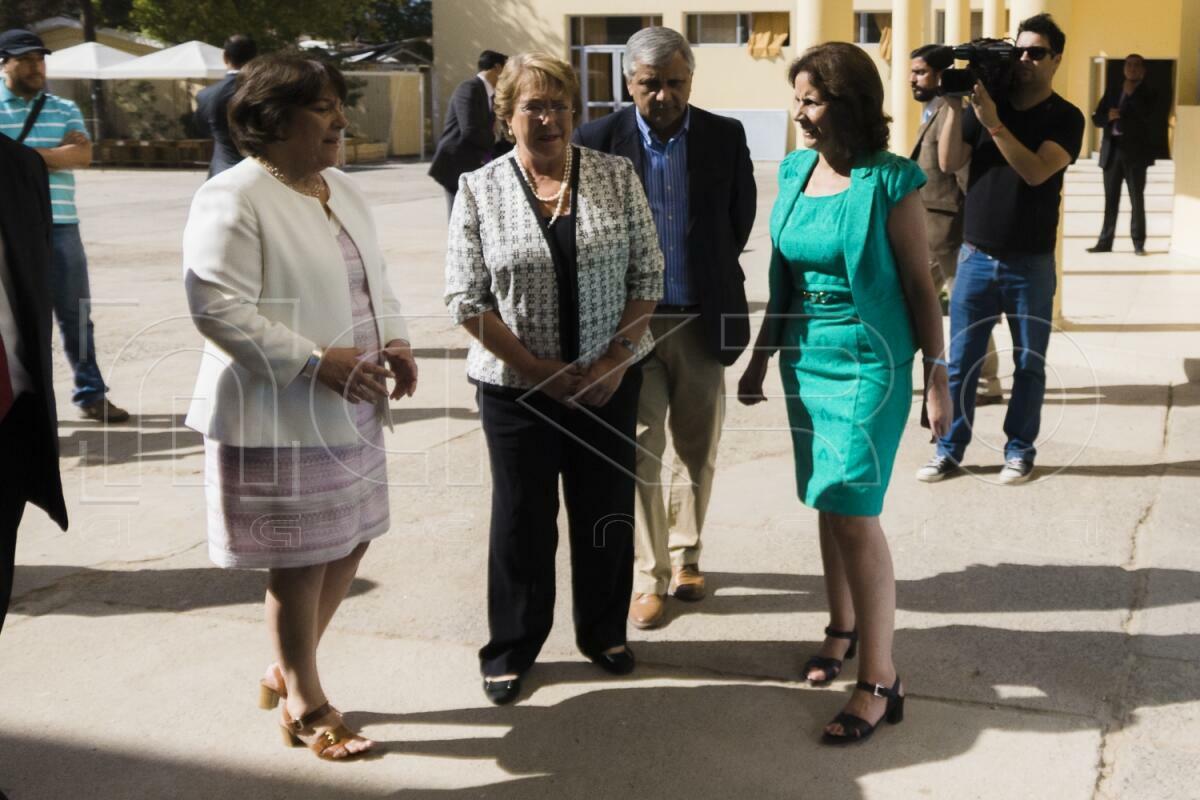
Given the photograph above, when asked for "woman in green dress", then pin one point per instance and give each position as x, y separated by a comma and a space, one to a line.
851, 298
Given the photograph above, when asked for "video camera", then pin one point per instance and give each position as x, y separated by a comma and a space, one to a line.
989, 61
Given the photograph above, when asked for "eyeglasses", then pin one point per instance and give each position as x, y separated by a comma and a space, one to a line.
539, 111
1034, 53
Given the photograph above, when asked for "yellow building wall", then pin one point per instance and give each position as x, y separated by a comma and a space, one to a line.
727, 77
1185, 234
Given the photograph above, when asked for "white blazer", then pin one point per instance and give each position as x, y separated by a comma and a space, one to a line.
266, 284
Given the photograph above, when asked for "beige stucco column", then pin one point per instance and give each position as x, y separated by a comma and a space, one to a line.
958, 21
906, 37
817, 21
993, 19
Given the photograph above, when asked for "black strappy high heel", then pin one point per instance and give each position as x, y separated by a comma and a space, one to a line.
832, 667
856, 729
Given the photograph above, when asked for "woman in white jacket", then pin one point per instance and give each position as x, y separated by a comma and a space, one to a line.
287, 284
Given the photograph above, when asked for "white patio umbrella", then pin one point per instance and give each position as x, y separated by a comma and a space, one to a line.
190, 60
84, 61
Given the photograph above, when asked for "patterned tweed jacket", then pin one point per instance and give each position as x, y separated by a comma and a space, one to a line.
497, 259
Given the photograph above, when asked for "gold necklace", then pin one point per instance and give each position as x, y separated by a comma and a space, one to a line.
315, 188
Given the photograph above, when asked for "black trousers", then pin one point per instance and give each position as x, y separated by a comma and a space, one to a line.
532, 440
13, 489
1122, 168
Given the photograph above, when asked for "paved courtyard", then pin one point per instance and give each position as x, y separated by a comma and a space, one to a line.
1048, 634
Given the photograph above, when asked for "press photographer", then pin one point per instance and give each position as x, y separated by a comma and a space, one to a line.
1018, 146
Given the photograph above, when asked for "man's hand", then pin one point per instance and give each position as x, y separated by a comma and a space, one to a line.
1113, 114
985, 107
75, 137
398, 354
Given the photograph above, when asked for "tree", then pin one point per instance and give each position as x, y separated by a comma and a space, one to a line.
23, 13
396, 20
271, 23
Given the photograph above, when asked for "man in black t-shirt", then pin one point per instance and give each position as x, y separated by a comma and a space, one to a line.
1019, 149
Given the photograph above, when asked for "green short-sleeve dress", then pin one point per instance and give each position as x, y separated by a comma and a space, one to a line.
847, 405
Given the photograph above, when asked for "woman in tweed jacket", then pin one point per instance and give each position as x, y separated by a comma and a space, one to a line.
553, 267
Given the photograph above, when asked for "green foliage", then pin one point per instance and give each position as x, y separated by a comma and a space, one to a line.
271, 23
23, 13
395, 20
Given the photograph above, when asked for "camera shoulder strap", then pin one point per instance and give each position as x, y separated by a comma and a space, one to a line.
31, 120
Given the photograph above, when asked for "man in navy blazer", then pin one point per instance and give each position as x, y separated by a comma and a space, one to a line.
212, 104
696, 169
468, 139
1126, 113
28, 420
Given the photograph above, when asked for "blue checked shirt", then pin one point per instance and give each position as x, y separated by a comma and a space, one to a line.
58, 118
667, 191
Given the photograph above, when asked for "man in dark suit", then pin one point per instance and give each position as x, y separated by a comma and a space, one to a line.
28, 420
468, 138
696, 169
212, 104
1126, 113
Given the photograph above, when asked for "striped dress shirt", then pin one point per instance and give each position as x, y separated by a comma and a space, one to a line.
58, 118
667, 191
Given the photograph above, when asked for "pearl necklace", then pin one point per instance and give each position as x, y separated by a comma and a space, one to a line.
559, 198
315, 188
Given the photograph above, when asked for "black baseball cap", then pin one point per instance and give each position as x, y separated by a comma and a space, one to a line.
18, 42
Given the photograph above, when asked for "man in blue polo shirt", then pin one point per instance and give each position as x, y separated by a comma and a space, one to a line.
58, 135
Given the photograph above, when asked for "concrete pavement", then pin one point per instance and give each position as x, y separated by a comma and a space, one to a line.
1048, 634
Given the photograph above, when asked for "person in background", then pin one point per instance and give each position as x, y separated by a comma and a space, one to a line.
942, 193
1019, 148
696, 169
1126, 113
212, 104
468, 139
53, 127
28, 420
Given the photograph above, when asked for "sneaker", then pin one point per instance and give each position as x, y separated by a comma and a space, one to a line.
936, 469
103, 411
1016, 470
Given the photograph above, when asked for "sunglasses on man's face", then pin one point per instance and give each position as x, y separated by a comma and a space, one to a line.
1035, 53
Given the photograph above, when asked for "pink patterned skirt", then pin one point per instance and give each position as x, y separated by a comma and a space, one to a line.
299, 506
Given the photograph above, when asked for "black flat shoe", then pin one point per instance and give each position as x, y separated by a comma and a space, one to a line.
856, 729
832, 667
1100, 248
621, 663
501, 692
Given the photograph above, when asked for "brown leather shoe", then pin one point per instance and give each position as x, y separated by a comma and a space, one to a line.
689, 583
103, 411
647, 610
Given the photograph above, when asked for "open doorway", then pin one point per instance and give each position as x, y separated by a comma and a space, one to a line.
597, 45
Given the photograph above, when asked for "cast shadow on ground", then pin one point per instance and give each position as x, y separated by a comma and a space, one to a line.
978, 589
145, 437
43, 589
731, 739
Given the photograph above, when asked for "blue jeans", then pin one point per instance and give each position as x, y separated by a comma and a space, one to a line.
73, 306
1022, 287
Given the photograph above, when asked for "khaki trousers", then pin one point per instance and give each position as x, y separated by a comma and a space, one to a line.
943, 266
683, 389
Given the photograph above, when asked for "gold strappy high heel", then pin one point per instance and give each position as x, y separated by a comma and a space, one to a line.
303, 731
268, 695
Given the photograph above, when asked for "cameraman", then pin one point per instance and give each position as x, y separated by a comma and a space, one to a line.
1018, 149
